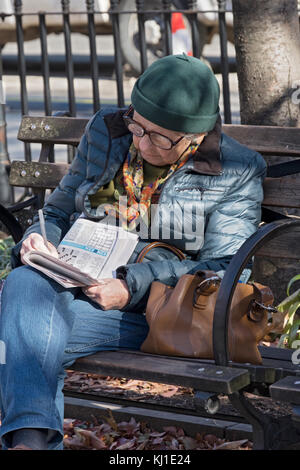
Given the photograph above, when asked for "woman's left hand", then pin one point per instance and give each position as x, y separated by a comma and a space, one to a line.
111, 294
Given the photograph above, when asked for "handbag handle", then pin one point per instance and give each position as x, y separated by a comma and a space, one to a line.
152, 245
257, 307
207, 286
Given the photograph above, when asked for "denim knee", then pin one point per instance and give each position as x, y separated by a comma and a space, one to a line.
25, 278
34, 312
21, 297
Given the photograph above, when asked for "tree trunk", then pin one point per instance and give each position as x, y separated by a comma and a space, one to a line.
267, 43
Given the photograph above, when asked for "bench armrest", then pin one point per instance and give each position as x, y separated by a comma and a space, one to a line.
227, 287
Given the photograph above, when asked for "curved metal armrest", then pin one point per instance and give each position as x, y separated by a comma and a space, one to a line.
239, 261
11, 223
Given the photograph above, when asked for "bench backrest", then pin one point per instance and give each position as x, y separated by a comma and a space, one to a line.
270, 141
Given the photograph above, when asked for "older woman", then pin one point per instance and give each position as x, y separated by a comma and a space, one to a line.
187, 183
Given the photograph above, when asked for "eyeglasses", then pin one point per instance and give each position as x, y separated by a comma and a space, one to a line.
158, 140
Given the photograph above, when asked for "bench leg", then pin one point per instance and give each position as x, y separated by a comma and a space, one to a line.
269, 433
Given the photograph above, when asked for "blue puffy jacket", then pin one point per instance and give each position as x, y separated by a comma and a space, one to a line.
217, 194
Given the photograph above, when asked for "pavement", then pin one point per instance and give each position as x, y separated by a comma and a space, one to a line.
83, 89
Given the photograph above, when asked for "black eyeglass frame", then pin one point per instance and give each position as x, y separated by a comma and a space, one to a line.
128, 120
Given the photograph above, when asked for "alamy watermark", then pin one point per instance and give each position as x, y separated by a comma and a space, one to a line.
296, 353
2, 93
160, 221
2, 352
296, 93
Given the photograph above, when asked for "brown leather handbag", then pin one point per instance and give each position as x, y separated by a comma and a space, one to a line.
180, 319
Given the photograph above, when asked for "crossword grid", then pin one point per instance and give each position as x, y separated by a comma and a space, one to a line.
100, 239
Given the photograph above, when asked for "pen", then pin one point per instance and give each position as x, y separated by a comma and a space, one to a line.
43, 227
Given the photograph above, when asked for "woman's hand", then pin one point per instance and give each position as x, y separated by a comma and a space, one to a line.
35, 241
111, 294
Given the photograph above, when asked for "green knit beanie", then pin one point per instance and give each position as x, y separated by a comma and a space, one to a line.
179, 93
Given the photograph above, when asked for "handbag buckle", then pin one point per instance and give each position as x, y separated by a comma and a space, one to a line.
204, 287
261, 306
213, 280
269, 308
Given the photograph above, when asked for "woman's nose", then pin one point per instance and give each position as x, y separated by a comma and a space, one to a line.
144, 142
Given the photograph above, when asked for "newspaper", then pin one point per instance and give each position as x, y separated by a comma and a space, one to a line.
89, 252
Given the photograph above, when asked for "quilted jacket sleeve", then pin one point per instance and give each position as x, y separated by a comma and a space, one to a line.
139, 277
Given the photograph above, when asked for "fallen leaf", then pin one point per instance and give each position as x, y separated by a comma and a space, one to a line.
170, 429
157, 440
174, 444
127, 445
231, 445
133, 383
157, 434
74, 378
104, 427
68, 425
170, 392
210, 439
180, 432
90, 439
142, 445
129, 427
188, 442
74, 442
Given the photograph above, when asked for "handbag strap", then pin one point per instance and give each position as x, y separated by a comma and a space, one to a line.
152, 245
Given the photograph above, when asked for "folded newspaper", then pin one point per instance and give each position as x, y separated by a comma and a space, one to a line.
89, 252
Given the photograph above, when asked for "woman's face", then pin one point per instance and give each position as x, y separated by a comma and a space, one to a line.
153, 154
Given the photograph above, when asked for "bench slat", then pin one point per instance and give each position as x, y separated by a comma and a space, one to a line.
278, 192
286, 389
36, 174
282, 192
205, 377
49, 129
269, 140
271, 370
284, 246
271, 352
165, 369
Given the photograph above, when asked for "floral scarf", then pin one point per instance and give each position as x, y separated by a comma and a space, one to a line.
139, 196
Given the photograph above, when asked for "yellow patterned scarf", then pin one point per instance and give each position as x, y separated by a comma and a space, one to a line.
138, 195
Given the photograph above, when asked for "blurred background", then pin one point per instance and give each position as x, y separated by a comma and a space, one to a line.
24, 71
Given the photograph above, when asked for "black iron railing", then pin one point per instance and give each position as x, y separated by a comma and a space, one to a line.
72, 65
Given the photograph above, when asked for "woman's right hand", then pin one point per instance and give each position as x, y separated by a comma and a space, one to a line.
35, 241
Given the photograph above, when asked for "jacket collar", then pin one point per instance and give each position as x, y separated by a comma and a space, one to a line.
207, 158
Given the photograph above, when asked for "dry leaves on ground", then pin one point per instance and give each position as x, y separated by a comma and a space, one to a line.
130, 435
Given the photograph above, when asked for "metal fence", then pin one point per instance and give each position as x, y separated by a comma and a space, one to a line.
72, 65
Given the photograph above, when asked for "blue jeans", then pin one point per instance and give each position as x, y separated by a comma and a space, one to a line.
45, 328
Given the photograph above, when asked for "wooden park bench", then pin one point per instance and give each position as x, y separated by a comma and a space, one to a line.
277, 377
